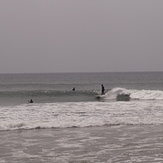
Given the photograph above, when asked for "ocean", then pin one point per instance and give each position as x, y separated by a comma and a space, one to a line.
66, 126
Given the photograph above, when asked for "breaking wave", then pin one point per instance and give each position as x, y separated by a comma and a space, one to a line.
80, 114
135, 94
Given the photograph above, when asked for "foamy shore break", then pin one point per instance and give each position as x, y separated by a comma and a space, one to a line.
83, 145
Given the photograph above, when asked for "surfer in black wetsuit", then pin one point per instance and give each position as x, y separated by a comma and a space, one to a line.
31, 101
102, 89
73, 89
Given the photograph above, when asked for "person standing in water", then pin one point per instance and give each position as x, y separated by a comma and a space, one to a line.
102, 89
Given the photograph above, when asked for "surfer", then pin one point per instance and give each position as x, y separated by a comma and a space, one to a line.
102, 89
31, 101
73, 89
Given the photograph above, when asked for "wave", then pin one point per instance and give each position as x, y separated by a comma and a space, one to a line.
44, 96
80, 114
26, 126
22, 126
135, 94
68, 96
48, 93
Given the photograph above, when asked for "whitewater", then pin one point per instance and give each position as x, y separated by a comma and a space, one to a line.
145, 107
65, 126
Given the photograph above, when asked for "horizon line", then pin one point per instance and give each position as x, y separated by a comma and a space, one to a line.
76, 72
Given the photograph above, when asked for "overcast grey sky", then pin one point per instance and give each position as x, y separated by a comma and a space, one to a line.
81, 35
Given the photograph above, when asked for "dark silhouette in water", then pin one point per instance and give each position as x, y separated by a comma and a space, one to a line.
73, 89
31, 101
102, 89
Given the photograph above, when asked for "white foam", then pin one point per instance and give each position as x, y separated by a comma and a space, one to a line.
135, 94
81, 114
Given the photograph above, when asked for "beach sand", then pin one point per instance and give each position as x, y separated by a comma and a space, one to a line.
121, 144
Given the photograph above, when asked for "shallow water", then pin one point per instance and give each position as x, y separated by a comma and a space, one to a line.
140, 143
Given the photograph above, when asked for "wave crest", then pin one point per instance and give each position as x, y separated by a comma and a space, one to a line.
135, 94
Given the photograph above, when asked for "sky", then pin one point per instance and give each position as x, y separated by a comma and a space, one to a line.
41, 36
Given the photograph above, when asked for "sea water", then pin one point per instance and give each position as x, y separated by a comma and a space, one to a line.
57, 106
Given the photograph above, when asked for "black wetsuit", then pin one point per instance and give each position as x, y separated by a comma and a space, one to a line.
102, 89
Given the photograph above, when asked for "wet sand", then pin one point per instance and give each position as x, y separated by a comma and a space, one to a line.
108, 144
